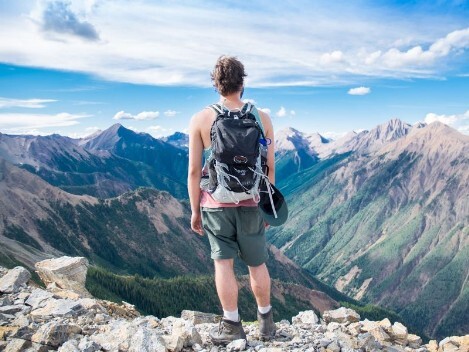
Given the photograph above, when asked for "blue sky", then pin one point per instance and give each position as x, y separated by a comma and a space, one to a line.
74, 67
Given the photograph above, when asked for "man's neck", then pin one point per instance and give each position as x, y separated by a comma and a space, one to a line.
232, 101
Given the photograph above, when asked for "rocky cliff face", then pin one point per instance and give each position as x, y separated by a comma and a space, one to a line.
60, 319
388, 223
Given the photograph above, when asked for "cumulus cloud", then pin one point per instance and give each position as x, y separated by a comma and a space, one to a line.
417, 56
144, 115
252, 101
334, 57
23, 123
459, 122
24, 103
266, 110
359, 91
170, 113
59, 18
282, 112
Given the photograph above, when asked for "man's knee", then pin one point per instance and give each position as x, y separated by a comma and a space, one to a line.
258, 268
223, 263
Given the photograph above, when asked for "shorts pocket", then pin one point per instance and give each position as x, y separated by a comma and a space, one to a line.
251, 221
212, 219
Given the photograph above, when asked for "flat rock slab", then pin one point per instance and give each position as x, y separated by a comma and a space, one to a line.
11, 309
12, 281
199, 317
341, 315
59, 308
38, 298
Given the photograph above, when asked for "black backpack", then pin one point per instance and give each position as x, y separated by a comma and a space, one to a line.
238, 161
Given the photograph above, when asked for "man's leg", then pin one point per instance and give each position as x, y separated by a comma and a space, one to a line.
260, 284
230, 327
227, 286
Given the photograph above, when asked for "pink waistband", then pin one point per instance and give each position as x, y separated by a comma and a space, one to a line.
207, 201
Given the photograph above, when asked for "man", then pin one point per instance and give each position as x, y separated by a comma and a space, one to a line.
233, 229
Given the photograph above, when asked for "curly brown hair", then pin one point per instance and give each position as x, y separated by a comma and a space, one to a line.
228, 75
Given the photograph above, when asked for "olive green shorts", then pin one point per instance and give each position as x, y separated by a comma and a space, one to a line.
236, 231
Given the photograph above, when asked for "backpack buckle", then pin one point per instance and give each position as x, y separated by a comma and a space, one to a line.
239, 159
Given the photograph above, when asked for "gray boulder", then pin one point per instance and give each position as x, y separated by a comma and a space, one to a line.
341, 315
38, 298
55, 333
306, 317
68, 273
12, 281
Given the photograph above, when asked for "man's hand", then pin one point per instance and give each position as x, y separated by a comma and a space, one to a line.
196, 223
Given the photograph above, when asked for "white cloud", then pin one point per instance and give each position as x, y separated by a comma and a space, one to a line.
459, 122
359, 91
252, 101
22, 123
170, 113
147, 115
282, 112
335, 50
417, 56
144, 115
266, 110
334, 57
24, 103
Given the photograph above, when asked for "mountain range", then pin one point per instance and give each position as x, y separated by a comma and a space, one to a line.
381, 215
386, 221
105, 164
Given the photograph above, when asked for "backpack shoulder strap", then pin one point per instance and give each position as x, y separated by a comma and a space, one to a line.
258, 118
218, 109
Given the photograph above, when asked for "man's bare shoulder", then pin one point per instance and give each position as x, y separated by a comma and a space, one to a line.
263, 114
266, 121
203, 116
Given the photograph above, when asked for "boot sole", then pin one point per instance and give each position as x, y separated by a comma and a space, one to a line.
225, 342
266, 337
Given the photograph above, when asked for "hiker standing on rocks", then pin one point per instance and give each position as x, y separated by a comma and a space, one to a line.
233, 225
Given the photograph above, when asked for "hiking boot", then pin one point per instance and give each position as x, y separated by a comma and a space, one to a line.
226, 332
267, 326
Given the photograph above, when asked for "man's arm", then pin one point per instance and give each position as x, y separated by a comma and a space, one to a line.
269, 134
194, 173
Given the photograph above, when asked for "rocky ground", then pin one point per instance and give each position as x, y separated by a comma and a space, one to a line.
65, 317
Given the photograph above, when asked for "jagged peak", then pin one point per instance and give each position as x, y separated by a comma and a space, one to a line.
114, 128
288, 132
419, 124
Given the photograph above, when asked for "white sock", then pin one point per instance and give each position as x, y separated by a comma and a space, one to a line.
264, 310
233, 315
